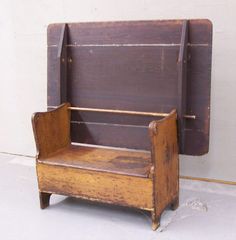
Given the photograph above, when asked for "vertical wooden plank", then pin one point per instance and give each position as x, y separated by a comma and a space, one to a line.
165, 159
182, 85
62, 63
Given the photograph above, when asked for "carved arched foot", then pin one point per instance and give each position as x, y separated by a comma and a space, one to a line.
174, 205
155, 222
44, 199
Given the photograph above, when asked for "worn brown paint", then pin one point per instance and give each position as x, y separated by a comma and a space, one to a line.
51, 130
122, 162
140, 179
165, 160
87, 184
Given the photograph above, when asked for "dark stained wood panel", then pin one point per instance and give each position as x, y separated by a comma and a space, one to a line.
53, 86
133, 66
124, 136
121, 119
132, 78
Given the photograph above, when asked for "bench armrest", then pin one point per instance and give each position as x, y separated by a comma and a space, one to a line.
51, 130
163, 135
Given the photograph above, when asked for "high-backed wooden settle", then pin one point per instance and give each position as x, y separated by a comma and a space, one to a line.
141, 86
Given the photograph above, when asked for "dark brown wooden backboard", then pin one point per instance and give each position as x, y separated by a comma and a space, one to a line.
130, 66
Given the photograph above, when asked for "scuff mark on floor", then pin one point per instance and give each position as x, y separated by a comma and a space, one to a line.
164, 225
177, 215
197, 204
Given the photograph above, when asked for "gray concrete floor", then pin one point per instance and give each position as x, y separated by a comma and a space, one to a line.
207, 211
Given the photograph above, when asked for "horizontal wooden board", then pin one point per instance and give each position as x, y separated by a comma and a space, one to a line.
131, 32
102, 187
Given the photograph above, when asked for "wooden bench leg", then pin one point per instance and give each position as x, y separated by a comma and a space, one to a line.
44, 199
174, 205
155, 221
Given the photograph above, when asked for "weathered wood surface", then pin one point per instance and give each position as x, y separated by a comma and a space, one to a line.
165, 160
125, 177
51, 130
96, 186
144, 60
123, 162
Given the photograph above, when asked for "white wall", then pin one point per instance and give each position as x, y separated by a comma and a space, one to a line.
23, 67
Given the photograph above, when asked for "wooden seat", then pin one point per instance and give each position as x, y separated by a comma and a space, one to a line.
125, 162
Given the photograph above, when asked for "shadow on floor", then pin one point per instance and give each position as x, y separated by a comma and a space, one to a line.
90, 209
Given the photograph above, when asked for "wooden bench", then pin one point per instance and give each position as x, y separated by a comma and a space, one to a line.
124, 177
131, 114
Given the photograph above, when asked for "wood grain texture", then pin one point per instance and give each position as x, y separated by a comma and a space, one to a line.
51, 130
96, 186
123, 162
165, 159
142, 56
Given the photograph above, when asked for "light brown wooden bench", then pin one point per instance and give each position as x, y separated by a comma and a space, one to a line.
140, 179
139, 95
